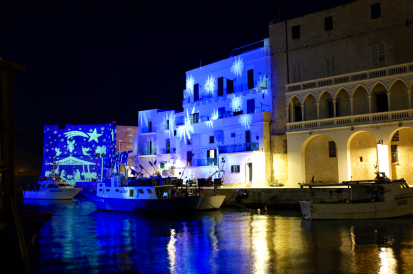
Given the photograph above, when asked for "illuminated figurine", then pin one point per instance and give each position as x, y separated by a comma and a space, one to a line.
70, 145
85, 151
58, 152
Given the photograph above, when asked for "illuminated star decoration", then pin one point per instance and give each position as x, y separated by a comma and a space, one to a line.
185, 130
236, 103
214, 116
210, 85
190, 81
262, 84
94, 136
75, 133
245, 120
171, 118
237, 67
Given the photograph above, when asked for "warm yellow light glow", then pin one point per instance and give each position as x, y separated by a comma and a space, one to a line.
388, 263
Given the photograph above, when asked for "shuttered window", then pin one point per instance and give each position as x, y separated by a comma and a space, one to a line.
297, 73
331, 67
378, 56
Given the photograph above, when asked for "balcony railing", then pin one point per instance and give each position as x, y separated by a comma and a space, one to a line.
351, 77
369, 118
239, 148
146, 152
206, 162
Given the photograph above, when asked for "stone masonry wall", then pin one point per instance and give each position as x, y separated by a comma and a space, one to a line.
363, 145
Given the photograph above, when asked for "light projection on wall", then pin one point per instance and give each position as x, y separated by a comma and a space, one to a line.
184, 131
262, 84
210, 85
237, 67
214, 116
73, 152
245, 120
236, 103
143, 118
169, 123
190, 82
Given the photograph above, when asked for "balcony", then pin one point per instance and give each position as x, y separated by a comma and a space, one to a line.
246, 147
146, 152
369, 118
148, 130
206, 162
351, 77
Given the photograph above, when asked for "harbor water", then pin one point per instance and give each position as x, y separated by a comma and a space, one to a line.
81, 239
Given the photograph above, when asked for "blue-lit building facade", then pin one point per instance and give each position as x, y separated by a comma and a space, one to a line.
83, 152
224, 125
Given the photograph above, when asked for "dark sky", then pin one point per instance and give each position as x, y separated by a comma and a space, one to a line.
92, 62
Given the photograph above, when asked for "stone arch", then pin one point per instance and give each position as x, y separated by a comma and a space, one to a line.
400, 156
379, 98
325, 101
310, 107
399, 98
295, 109
362, 155
360, 100
343, 103
316, 160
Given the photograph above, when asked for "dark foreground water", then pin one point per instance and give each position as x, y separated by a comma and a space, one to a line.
81, 239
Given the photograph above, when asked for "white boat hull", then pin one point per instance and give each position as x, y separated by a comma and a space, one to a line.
371, 210
211, 202
52, 193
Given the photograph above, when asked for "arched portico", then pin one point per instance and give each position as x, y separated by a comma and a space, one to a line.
326, 105
360, 101
343, 103
362, 150
380, 98
310, 107
399, 97
400, 154
320, 160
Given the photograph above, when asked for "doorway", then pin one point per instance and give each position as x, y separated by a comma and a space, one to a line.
249, 173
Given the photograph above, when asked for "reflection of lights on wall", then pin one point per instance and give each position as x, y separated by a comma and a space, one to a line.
236, 103
185, 130
245, 120
210, 85
143, 119
237, 67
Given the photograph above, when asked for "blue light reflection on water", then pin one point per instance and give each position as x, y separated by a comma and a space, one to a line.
80, 239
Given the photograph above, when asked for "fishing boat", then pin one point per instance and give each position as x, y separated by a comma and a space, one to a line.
214, 201
51, 189
143, 195
366, 199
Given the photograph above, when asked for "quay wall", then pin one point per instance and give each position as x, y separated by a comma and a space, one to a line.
277, 197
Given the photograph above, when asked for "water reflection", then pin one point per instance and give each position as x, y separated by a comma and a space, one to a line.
80, 239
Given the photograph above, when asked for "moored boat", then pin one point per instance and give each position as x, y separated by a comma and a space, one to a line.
367, 199
143, 196
50, 189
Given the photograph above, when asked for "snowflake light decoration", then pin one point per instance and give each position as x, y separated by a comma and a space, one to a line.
245, 120
214, 116
236, 103
237, 67
185, 130
262, 84
190, 81
210, 85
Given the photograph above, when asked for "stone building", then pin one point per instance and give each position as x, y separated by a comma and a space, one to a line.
342, 81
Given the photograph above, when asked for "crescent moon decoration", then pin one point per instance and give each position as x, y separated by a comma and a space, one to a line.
72, 134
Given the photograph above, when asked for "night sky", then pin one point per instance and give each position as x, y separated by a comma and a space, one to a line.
93, 62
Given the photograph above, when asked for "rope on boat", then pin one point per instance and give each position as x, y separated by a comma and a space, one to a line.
242, 206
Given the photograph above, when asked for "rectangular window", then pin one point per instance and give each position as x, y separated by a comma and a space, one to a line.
221, 112
331, 67
196, 92
230, 86
296, 32
150, 127
378, 56
195, 118
250, 79
296, 73
150, 147
251, 106
375, 11
235, 169
394, 157
211, 153
189, 158
332, 149
211, 139
174, 150
247, 136
328, 23
220, 86
167, 125
140, 191
162, 165
232, 134
130, 192
188, 141
168, 146
175, 132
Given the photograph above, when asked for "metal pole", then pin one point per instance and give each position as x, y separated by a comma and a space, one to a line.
101, 174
